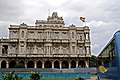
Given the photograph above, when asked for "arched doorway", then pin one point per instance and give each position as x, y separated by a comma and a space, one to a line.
81, 63
73, 64
56, 64
3, 64
21, 64
39, 64
30, 64
12, 64
48, 64
65, 64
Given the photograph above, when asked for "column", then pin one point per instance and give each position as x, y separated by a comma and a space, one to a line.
25, 65
52, 64
69, 65
43, 64
76, 64
35, 66
0, 64
7, 65
60, 65
86, 64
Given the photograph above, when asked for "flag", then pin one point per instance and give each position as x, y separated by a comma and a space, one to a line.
82, 19
103, 69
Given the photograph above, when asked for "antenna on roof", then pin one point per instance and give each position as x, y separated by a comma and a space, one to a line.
48, 12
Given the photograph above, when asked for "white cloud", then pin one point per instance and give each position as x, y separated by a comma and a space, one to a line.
95, 46
101, 33
102, 15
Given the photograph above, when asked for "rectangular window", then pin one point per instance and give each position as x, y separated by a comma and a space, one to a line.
22, 35
40, 49
31, 49
81, 50
22, 50
56, 35
13, 48
73, 49
64, 50
80, 37
64, 35
87, 36
48, 35
88, 50
56, 51
48, 49
5, 49
73, 35
39, 35
14, 34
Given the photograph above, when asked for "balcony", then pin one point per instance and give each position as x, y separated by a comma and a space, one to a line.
56, 40
83, 55
46, 55
47, 40
30, 40
14, 40
61, 55
39, 40
12, 55
87, 41
80, 41
65, 40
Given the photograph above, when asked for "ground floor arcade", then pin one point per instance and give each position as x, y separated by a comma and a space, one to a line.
59, 63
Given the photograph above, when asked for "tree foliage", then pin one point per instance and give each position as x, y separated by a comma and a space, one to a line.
93, 61
34, 76
12, 76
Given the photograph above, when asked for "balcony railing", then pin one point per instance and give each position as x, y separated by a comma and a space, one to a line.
39, 40
46, 55
14, 39
65, 40
80, 41
30, 40
56, 40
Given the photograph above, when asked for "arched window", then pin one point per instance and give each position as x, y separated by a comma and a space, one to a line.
65, 64
21, 64
81, 63
56, 64
12, 64
48, 64
30, 64
3, 64
73, 64
39, 64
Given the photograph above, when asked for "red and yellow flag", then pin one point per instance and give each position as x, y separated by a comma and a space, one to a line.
82, 19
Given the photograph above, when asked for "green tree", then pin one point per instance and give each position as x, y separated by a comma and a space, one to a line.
19, 65
35, 76
93, 61
11, 76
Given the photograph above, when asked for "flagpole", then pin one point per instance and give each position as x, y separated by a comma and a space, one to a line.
85, 23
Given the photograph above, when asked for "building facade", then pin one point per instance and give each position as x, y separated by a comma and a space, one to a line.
48, 44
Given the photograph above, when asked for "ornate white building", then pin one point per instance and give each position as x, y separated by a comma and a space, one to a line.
48, 44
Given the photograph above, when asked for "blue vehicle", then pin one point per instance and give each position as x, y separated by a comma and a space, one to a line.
109, 60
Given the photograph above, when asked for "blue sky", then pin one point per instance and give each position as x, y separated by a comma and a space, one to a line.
102, 16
